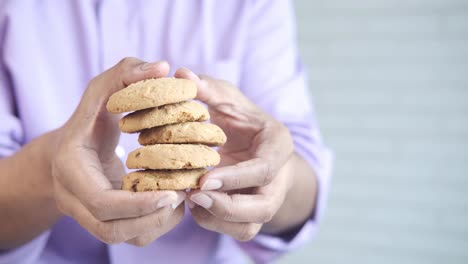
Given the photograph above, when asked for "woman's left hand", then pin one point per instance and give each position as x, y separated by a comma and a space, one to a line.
247, 189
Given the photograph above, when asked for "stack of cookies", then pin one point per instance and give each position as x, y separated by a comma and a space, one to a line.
176, 141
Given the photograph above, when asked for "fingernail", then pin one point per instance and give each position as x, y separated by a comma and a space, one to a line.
180, 199
190, 204
192, 74
175, 205
167, 200
202, 199
212, 184
148, 65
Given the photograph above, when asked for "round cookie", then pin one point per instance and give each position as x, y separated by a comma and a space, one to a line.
190, 132
164, 115
153, 180
172, 157
151, 93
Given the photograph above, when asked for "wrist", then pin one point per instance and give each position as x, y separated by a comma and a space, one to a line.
300, 198
51, 150
30, 182
45, 149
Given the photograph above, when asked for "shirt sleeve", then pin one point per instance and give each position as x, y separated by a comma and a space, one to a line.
274, 78
11, 132
26, 254
11, 140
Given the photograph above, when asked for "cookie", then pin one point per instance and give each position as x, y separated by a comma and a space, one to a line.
153, 180
151, 93
190, 132
172, 156
164, 115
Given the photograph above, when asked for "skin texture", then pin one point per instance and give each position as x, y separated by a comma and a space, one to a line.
74, 171
264, 185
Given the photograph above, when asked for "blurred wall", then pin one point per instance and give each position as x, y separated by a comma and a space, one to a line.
390, 83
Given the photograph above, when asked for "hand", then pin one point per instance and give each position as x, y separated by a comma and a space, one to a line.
252, 189
87, 173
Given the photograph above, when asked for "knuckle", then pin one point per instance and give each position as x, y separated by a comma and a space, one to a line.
268, 214
228, 213
227, 208
125, 61
160, 220
236, 183
267, 174
97, 208
122, 66
143, 207
249, 231
203, 222
106, 232
203, 219
93, 82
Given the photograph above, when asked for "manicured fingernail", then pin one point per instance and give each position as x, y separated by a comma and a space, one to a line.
190, 204
180, 199
175, 205
191, 74
212, 184
202, 200
165, 201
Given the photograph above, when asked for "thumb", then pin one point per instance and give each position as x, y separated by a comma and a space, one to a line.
124, 73
91, 122
213, 92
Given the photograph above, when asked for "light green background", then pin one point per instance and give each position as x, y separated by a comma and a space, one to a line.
390, 84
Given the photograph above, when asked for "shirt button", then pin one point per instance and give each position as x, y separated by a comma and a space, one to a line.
120, 151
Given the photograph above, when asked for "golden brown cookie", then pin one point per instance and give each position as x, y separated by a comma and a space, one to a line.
172, 157
151, 93
164, 115
153, 180
190, 132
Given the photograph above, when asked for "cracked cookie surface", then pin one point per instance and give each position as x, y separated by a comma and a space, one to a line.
164, 115
190, 132
153, 180
172, 157
151, 93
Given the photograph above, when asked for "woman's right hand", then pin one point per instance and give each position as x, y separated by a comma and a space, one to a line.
87, 173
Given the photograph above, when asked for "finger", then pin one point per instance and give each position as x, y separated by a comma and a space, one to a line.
114, 231
124, 73
115, 171
275, 145
181, 196
145, 239
211, 91
84, 179
119, 204
184, 73
237, 207
251, 173
274, 149
239, 231
92, 115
